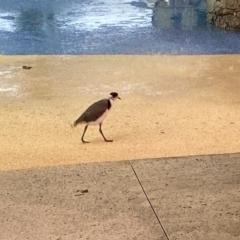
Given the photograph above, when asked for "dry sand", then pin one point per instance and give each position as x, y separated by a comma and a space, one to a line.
171, 106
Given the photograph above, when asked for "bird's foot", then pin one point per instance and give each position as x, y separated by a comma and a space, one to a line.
106, 140
83, 141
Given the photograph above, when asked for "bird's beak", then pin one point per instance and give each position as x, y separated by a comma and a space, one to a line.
119, 98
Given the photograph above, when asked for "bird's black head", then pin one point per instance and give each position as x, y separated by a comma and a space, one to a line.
114, 95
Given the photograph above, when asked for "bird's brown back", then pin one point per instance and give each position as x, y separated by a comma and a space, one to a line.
93, 112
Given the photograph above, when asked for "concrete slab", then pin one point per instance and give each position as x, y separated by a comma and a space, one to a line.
194, 197
89, 201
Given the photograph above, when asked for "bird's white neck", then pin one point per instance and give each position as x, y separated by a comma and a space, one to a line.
111, 101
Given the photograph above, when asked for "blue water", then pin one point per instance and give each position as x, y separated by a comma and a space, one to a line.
110, 27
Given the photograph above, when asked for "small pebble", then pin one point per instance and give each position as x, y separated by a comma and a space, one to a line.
26, 67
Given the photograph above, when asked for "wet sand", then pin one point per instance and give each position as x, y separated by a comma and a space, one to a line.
171, 106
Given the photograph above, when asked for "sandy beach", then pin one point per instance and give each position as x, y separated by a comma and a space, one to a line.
171, 106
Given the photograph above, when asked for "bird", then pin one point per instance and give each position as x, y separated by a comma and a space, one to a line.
96, 113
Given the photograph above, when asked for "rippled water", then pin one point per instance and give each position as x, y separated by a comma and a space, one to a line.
110, 27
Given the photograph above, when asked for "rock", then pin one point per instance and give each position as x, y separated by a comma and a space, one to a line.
26, 67
224, 14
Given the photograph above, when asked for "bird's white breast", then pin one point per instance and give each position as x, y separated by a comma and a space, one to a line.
99, 120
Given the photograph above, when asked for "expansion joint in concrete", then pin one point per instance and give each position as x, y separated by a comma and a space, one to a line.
154, 212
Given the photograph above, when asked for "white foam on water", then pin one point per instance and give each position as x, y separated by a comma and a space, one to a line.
7, 24
106, 13
6, 87
123, 88
13, 91
92, 16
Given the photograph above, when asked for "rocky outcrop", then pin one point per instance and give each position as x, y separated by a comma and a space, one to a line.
224, 14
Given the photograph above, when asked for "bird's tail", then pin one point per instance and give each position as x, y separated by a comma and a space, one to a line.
79, 120
75, 123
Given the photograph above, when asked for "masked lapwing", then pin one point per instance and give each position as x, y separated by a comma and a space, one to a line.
96, 113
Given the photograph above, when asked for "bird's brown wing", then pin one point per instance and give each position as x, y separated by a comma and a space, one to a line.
94, 111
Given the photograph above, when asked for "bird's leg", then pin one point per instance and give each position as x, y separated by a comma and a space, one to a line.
100, 130
85, 129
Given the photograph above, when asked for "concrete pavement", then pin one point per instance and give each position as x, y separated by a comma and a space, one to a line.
181, 198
